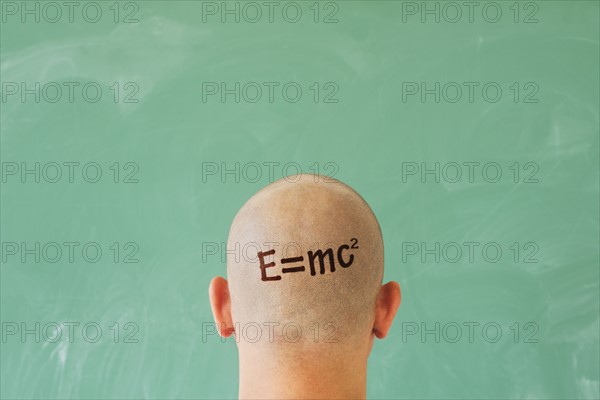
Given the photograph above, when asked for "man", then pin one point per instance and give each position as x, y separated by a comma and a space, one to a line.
306, 308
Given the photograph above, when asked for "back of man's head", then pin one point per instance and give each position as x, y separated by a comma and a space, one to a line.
327, 296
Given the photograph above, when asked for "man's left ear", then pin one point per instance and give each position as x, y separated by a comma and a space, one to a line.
220, 303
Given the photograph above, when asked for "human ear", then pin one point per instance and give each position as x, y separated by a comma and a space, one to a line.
386, 306
220, 303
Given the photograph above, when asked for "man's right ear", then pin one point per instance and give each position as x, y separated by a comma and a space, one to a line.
388, 301
220, 303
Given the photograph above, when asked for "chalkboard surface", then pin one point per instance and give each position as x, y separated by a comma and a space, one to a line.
132, 132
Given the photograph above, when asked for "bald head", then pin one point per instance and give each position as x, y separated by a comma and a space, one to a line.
308, 251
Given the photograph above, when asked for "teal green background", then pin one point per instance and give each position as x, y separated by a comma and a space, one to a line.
170, 133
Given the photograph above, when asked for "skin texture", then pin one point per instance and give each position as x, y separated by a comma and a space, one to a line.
304, 335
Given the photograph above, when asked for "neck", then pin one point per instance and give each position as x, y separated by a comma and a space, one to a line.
305, 375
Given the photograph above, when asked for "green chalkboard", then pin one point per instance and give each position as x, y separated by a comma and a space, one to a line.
133, 131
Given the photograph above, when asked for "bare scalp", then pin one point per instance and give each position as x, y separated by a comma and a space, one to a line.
325, 227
